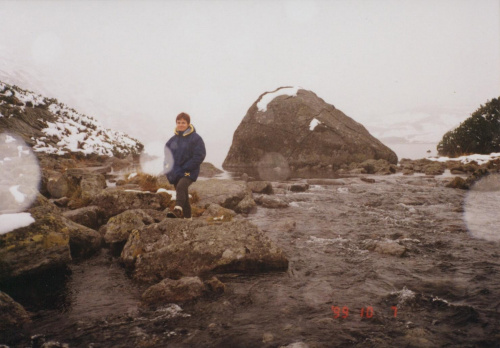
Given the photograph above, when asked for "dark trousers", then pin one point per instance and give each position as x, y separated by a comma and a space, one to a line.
182, 199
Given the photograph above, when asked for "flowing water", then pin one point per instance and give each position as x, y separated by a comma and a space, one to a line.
385, 264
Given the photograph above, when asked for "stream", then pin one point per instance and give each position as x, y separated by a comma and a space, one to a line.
399, 262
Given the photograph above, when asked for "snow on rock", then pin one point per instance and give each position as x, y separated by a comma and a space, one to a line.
268, 97
10, 222
479, 159
313, 124
71, 131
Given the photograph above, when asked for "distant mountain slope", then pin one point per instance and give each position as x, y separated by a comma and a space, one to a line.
51, 127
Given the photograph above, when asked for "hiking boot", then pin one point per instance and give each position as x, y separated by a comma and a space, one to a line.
178, 212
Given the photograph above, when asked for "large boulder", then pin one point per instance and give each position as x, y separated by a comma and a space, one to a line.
113, 202
91, 217
294, 128
226, 193
119, 227
175, 248
83, 241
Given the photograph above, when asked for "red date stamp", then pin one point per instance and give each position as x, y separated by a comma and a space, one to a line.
366, 312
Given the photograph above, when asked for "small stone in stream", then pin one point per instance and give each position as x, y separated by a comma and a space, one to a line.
368, 180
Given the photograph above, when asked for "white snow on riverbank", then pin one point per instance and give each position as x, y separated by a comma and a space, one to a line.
10, 222
480, 159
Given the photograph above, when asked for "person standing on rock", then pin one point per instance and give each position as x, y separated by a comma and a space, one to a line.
184, 153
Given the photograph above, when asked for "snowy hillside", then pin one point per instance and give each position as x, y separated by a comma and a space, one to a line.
52, 127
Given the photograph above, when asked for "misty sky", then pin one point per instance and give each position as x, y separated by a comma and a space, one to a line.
134, 65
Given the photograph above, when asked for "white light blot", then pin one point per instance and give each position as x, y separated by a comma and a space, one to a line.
156, 159
482, 205
19, 175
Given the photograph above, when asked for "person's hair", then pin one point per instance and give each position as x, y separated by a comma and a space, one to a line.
183, 116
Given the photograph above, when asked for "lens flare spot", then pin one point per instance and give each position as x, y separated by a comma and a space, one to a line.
482, 205
273, 167
19, 174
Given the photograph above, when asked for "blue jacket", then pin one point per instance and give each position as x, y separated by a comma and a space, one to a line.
187, 153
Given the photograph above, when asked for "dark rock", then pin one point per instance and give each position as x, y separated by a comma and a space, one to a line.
271, 202
458, 183
326, 182
83, 241
92, 216
61, 202
169, 290
208, 170
174, 248
260, 187
12, 318
215, 286
303, 131
368, 180
299, 187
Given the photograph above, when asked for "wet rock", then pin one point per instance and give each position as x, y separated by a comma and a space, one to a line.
299, 187
83, 241
119, 227
175, 248
372, 166
12, 318
91, 217
114, 202
390, 248
435, 168
43, 245
326, 182
246, 205
271, 202
285, 225
387, 247
215, 286
303, 130
458, 183
368, 180
260, 187
169, 290
226, 193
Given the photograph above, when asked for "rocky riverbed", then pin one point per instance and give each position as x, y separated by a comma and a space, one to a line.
373, 261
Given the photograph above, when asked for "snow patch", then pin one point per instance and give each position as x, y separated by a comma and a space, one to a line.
480, 159
268, 97
10, 222
314, 123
